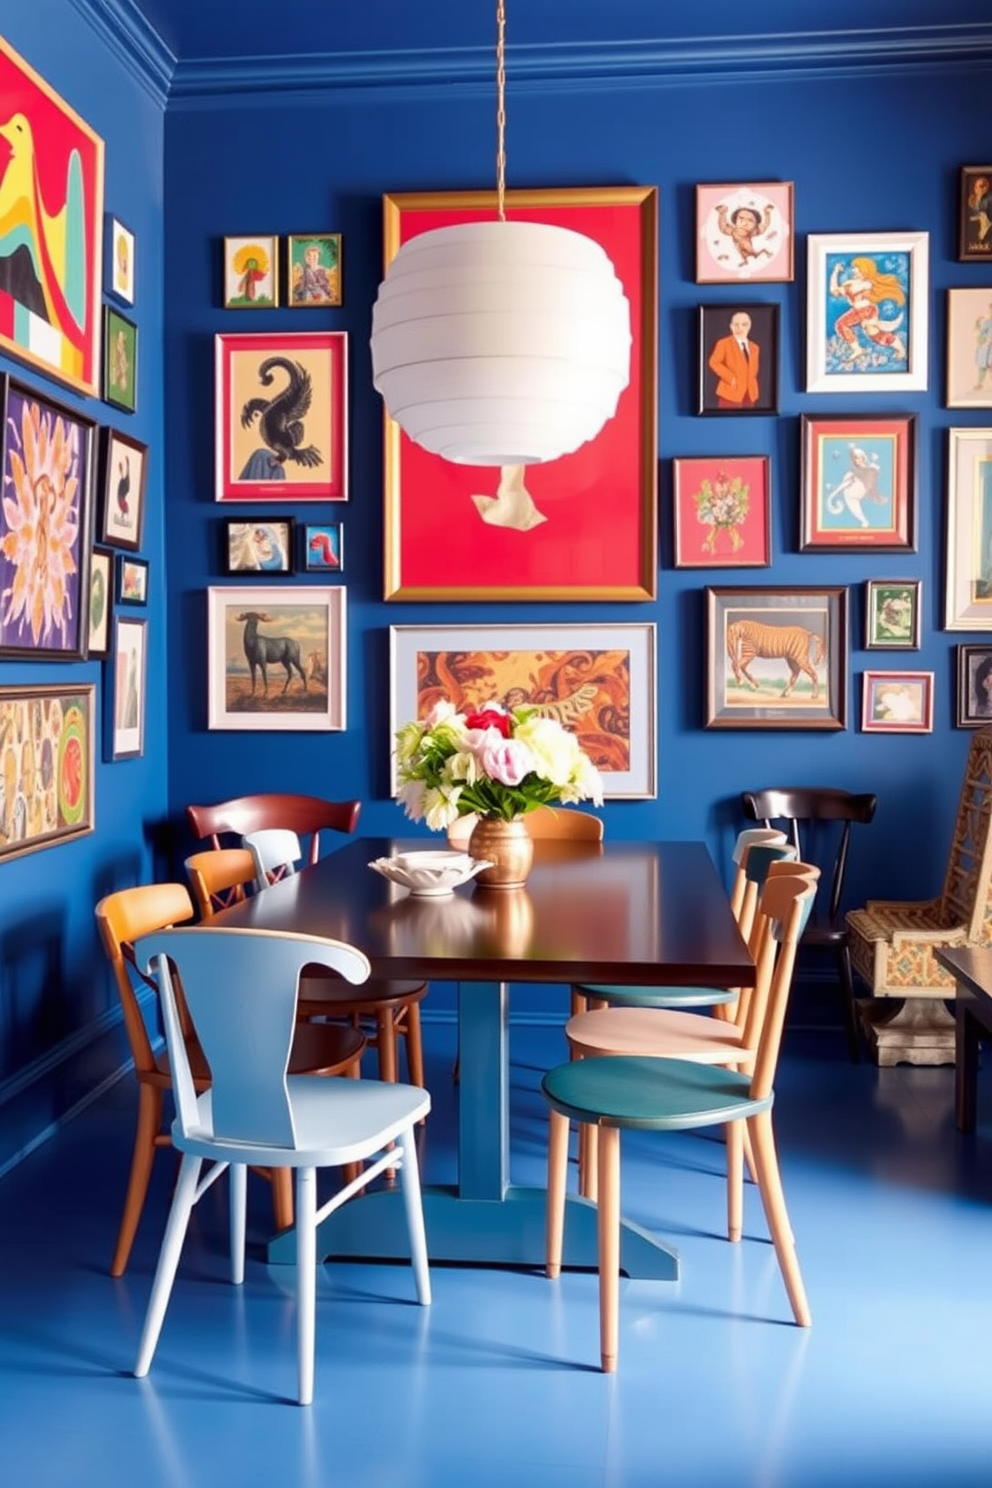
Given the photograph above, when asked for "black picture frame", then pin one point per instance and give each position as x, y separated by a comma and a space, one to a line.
975, 214
733, 383
101, 603
132, 580
123, 483
258, 546
973, 699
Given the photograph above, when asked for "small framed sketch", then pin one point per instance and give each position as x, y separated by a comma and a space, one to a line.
123, 476
744, 232
974, 689
738, 358
120, 260
120, 360
866, 316
968, 590
251, 272
969, 348
132, 580
975, 214
314, 270
101, 594
130, 672
897, 703
892, 615
722, 511
858, 483
259, 547
324, 545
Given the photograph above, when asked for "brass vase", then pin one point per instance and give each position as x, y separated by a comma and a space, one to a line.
508, 846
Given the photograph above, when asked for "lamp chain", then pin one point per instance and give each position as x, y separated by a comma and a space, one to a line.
500, 111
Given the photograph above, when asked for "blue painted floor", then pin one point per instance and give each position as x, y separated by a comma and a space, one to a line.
497, 1383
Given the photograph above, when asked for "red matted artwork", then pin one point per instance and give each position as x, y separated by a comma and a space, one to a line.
281, 424
858, 483
51, 229
721, 511
596, 532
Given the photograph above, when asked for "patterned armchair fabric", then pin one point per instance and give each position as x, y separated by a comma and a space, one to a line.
892, 942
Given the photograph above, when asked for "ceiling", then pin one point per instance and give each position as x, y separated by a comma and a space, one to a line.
215, 29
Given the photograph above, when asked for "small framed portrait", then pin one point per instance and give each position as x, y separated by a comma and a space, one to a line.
120, 360
969, 348
259, 547
314, 270
127, 738
744, 233
738, 358
324, 547
974, 689
892, 614
897, 703
968, 587
858, 483
975, 214
722, 509
132, 580
251, 272
119, 248
123, 477
866, 312
100, 605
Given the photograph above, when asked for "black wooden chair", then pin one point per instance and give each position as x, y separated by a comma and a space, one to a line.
818, 821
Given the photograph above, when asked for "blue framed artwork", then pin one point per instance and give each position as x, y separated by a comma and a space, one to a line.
324, 547
867, 313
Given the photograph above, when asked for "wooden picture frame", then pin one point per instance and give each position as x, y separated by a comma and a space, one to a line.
251, 271
263, 545
738, 359
323, 547
776, 658
968, 588
123, 484
975, 214
969, 347
120, 360
132, 580
129, 691
858, 483
313, 270
281, 430
892, 614
745, 233
68, 157
46, 764
454, 531
866, 312
298, 683
722, 508
100, 606
120, 267
597, 679
48, 455
973, 694
897, 703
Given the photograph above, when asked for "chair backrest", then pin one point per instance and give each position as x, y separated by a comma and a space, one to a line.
754, 859
275, 853
240, 986
966, 896
308, 816
819, 821
218, 877
123, 917
561, 822
764, 863
786, 903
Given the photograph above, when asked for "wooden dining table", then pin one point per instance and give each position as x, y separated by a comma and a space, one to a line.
639, 913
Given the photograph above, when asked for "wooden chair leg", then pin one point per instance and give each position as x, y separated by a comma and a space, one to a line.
773, 1199
149, 1124
282, 1197
608, 1231
748, 1154
850, 1007
735, 1180
589, 1162
557, 1175
414, 1045
385, 1037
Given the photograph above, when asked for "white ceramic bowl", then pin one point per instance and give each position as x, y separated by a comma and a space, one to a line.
429, 874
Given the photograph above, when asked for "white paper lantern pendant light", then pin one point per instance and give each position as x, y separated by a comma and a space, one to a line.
501, 343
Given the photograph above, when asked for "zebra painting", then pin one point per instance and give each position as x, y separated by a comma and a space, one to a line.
802, 651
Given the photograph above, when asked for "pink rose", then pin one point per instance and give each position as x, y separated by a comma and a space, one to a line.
505, 760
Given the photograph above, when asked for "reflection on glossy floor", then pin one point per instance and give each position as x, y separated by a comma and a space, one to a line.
496, 1384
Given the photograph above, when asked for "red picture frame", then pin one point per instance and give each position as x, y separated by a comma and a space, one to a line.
722, 506
600, 537
308, 460
67, 174
858, 483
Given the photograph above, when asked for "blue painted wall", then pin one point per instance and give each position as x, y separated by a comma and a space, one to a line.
59, 1033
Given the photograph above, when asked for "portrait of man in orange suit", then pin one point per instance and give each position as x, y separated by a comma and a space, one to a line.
734, 362
738, 377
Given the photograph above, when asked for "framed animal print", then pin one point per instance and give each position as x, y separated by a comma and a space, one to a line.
744, 233
776, 658
858, 483
276, 657
123, 478
281, 417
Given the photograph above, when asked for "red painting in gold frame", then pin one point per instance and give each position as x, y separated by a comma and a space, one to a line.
599, 539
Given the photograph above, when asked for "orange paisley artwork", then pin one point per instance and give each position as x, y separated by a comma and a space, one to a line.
586, 691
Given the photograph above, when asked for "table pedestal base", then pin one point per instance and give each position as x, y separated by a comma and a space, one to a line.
484, 1232
912, 1030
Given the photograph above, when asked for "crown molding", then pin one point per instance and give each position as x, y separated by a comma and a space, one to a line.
134, 42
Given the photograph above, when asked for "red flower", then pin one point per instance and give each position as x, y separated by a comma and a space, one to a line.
490, 718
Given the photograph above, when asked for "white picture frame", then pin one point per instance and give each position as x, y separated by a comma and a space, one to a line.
969, 348
866, 312
968, 591
300, 686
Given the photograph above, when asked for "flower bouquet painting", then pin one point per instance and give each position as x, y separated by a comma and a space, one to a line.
721, 512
